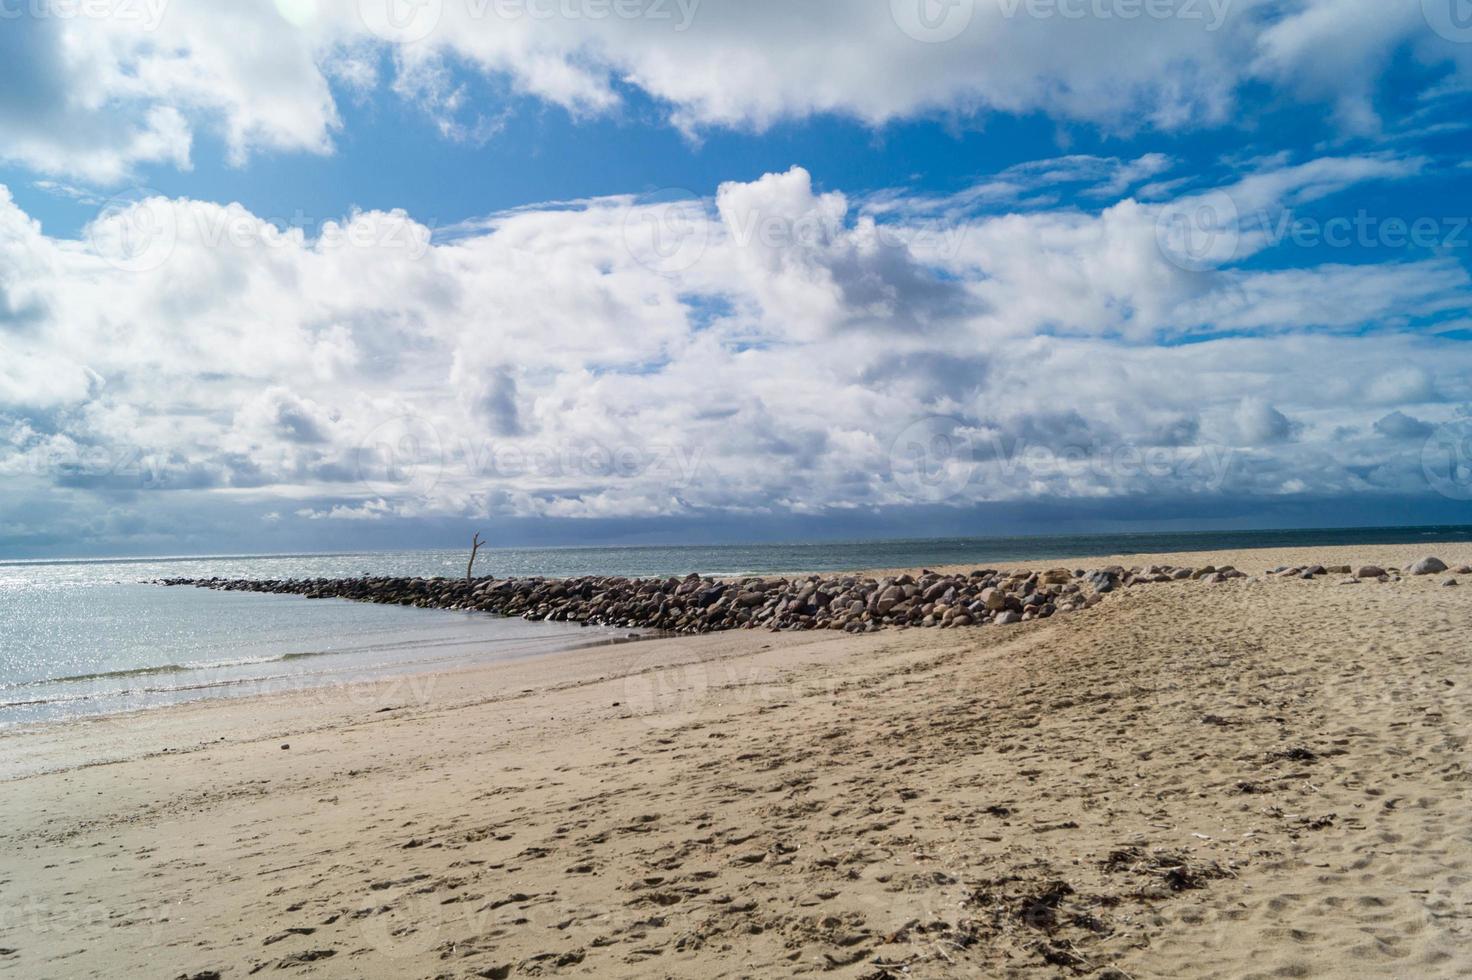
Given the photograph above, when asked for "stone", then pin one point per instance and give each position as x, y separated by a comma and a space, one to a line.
936, 591
1449, 583
1427, 566
1008, 618
888, 599
1369, 571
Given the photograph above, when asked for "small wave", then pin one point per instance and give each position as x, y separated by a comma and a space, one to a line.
156, 669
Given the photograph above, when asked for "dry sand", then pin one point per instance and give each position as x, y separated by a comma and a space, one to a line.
1256, 779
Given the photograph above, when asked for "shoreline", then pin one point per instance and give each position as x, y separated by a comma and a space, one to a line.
1252, 562
784, 802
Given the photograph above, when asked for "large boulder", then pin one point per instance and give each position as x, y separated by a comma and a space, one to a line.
1427, 566
888, 599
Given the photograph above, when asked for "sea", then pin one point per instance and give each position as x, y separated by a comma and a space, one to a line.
93, 637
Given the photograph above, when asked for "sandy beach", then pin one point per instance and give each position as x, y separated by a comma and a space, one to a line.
1256, 778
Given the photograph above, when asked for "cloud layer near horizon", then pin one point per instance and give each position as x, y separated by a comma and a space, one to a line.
772, 349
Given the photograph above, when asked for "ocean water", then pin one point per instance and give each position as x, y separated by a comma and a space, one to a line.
90, 637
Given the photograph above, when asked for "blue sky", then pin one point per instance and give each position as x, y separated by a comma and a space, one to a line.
284, 275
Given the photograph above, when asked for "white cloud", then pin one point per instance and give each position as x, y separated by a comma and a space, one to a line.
546, 362
97, 96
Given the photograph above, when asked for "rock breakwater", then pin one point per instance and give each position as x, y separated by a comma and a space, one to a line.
698, 604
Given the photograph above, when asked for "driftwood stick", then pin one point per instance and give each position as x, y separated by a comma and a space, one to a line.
475, 544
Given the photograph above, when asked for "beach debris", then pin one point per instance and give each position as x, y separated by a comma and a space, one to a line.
1172, 871
1295, 754
1427, 566
475, 544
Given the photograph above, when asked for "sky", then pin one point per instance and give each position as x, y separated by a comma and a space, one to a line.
295, 275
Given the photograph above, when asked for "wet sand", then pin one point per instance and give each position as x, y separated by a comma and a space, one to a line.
1256, 778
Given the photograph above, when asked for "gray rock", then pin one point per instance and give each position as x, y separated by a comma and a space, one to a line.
1007, 618
1427, 566
1369, 571
1449, 583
